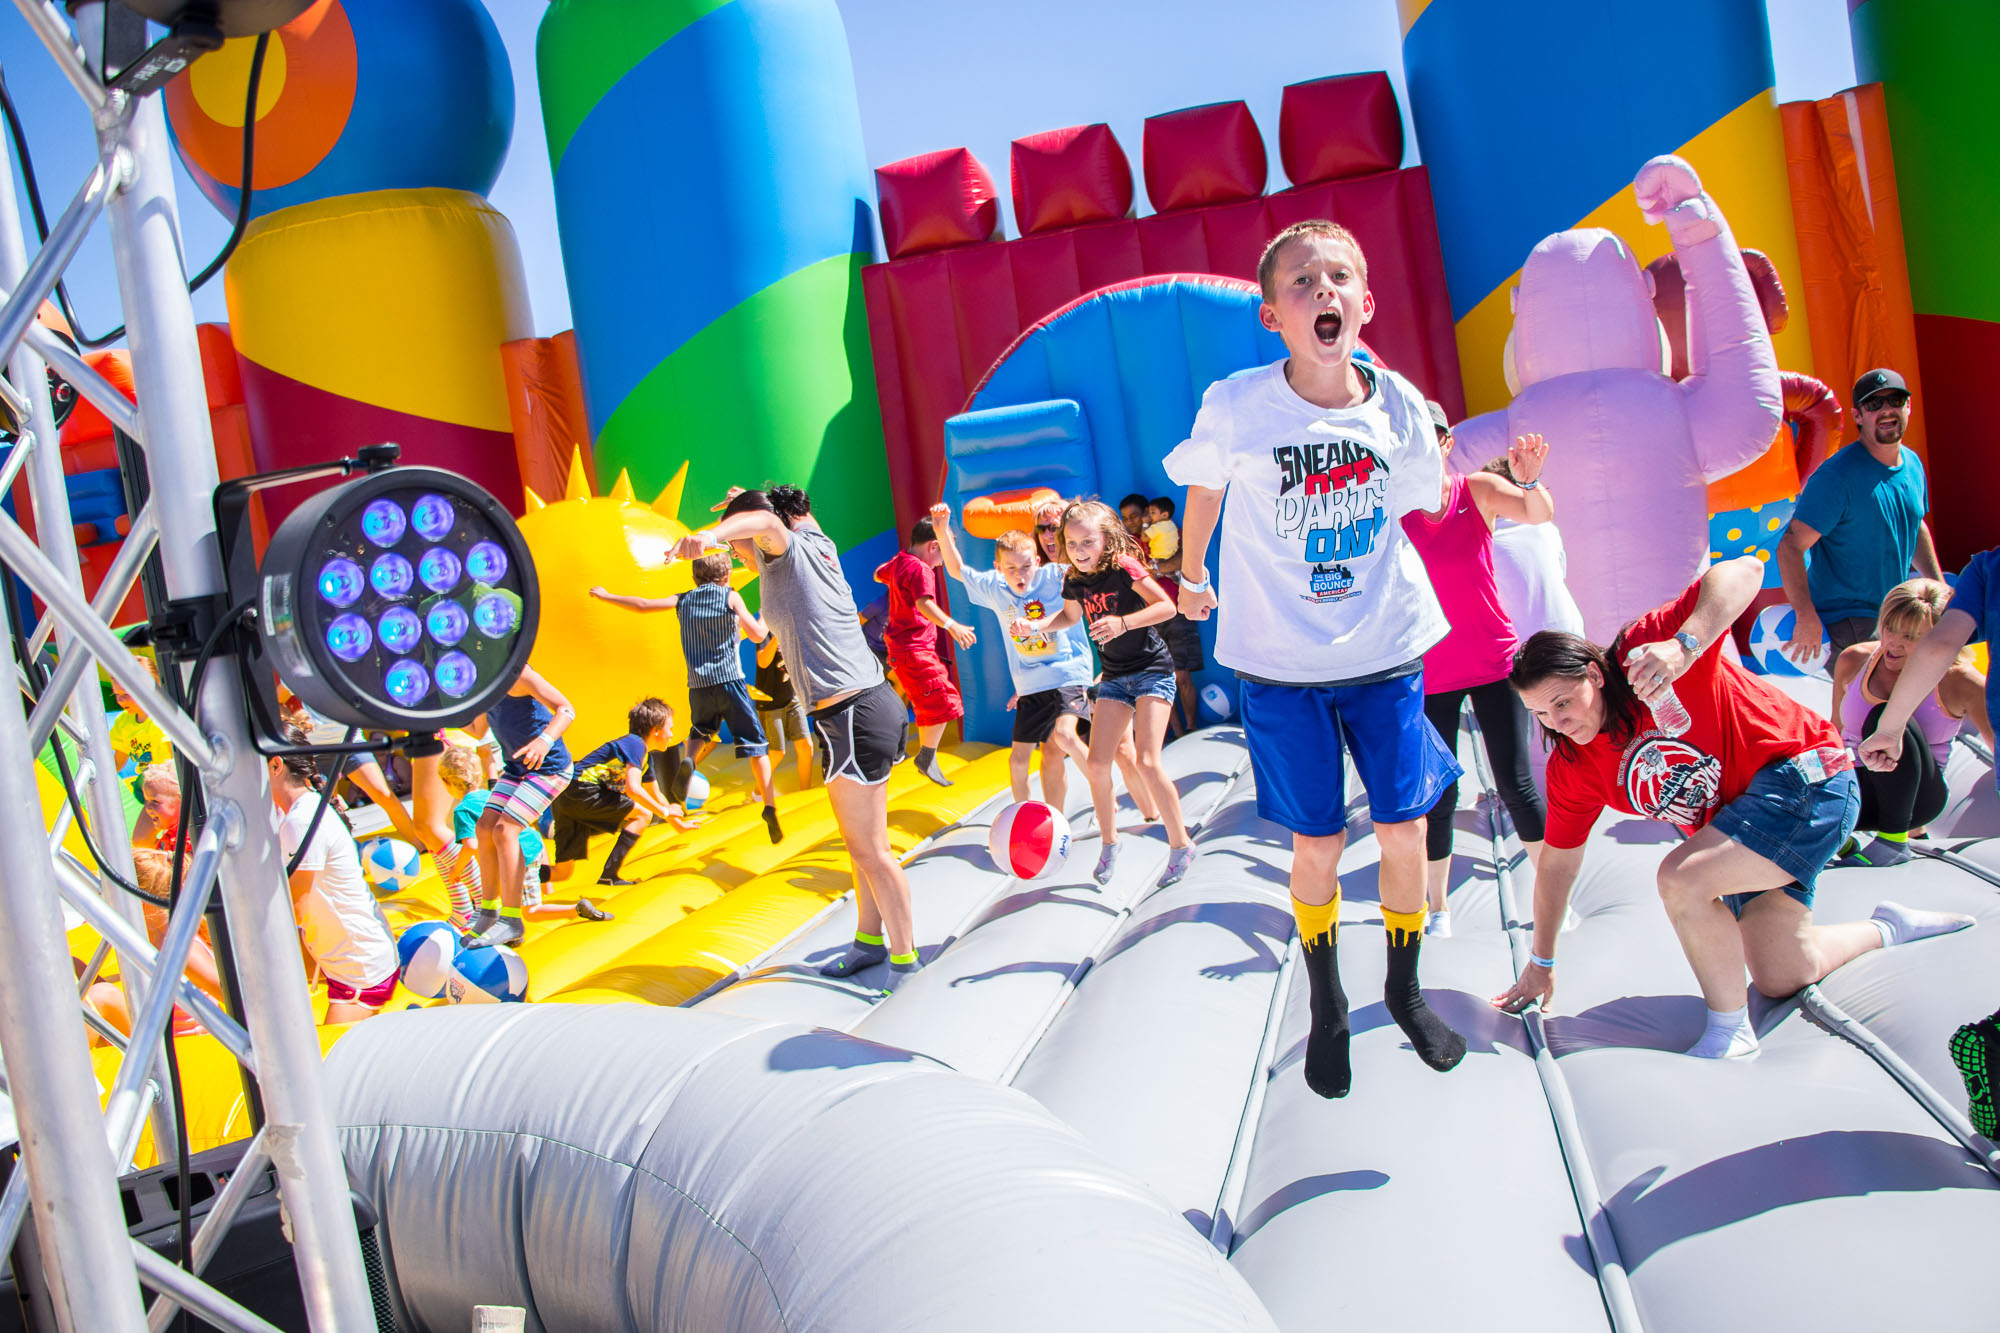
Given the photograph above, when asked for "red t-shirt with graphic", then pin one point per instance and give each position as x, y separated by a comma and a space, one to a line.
909, 581
1739, 725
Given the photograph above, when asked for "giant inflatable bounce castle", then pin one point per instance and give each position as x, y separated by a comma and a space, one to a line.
1087, 1110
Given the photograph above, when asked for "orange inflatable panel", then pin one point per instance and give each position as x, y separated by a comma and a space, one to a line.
990, 515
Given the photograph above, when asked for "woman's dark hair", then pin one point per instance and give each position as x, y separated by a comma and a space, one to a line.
1552, 653
790, 503
787, 502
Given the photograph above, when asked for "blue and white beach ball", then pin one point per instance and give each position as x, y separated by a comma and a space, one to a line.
1768, 638
391, 865
426, 951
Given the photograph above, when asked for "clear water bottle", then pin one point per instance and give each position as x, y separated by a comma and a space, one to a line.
1670, 715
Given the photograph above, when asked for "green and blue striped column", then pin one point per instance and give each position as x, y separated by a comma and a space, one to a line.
715, 208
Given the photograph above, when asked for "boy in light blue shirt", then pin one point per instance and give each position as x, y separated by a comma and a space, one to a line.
1051, 671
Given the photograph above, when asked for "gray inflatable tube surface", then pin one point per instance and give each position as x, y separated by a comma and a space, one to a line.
622, 1168
1086, 1112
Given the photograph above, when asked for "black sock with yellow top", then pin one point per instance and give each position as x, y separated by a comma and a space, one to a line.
1440, 1047
1327, 1071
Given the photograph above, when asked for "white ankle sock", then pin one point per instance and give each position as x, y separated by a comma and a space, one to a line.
1727, 1036
1900, 924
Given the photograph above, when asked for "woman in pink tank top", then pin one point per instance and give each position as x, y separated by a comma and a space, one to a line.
1472, 662
1903, 800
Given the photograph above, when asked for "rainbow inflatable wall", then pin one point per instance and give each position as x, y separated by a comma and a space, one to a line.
713, 202
369, 298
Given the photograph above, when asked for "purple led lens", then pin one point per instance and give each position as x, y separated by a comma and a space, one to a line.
392, 575
383, 523
349, 638
486, 562
448, 623
406, 682
399, 629
456, 675
341, 583
439, 569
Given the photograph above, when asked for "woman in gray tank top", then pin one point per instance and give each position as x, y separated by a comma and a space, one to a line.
858, 724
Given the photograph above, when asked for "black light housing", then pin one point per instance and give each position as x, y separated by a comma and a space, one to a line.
404, 600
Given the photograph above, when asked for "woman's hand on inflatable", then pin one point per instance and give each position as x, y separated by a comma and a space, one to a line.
1526, 457
1652, 667
1536, 986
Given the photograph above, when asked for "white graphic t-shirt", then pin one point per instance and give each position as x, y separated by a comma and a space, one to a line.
343, 927
1316, 580
1037, 662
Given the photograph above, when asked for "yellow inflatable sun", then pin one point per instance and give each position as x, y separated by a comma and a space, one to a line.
603, 657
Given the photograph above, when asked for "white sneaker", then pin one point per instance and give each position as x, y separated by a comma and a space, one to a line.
1439, 925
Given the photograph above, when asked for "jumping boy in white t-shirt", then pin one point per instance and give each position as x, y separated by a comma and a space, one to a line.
1329, 612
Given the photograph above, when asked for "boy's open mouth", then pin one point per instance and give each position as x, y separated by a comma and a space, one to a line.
1327, 328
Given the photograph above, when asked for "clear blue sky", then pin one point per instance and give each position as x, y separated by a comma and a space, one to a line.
930, 75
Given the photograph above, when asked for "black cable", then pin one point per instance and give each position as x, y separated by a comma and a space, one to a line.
184, 769
249, 160
181, 1152
241, 221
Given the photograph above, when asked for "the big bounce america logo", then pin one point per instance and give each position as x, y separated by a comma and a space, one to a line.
1666, 778
1332, 495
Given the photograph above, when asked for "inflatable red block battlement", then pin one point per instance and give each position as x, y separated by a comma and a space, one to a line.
1204, 155
1339, 128
1068, 178
935, 200
952, 296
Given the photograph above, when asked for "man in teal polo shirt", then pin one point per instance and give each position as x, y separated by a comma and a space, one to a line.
1861, 515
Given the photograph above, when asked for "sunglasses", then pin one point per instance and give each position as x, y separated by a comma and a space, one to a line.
1884, 402
1047, 527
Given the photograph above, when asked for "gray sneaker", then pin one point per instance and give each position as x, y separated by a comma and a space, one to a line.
1107, 861
900, 973
507, 930
481, 922
1178, 861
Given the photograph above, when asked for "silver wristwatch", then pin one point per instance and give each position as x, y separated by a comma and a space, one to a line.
1688, 641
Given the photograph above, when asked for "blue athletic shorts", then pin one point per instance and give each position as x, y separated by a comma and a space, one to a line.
1793, 822
1297, 733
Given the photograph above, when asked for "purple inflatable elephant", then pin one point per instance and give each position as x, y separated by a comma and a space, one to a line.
1632, 450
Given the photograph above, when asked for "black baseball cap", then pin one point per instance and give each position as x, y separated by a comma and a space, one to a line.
1882, 380
1438, 417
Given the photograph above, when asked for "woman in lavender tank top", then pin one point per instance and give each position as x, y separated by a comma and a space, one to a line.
1900, 802
1472, 662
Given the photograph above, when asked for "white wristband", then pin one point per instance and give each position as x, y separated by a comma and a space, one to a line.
1541, 962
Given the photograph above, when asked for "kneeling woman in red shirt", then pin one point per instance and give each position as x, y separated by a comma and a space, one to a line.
1761, 785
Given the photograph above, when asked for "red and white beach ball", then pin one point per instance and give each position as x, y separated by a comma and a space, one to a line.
1029, 840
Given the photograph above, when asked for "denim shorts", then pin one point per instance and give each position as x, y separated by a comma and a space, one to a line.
1129, 690
1793, 822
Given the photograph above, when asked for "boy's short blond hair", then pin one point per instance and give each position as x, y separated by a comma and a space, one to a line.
712, 568
1267, 267
459, 770
1017, 541
156, 776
